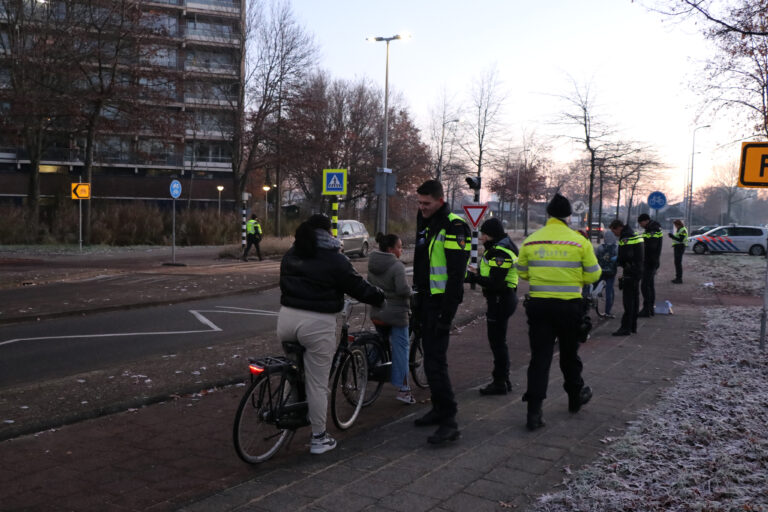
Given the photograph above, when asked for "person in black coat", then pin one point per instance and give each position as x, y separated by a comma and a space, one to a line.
652, 240
630, 259
314, 276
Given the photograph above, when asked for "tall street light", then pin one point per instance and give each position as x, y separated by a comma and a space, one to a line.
220, 188
266, 189
689, 219
442, 145
381, 222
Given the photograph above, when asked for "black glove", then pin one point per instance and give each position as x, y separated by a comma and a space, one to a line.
670, 235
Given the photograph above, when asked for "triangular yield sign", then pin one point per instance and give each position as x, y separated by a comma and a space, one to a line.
475, 212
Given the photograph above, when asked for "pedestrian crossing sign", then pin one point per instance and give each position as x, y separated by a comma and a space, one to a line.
334, 182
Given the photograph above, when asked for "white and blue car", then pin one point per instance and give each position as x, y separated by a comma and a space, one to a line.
749, 239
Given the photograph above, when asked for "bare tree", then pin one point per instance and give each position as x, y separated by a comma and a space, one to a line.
484, 120
442, 134
724, 182
745, 17
594, 134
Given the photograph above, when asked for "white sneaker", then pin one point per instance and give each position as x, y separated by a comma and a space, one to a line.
322, 444
406, 396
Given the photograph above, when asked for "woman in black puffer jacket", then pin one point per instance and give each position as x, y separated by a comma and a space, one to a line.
314, 276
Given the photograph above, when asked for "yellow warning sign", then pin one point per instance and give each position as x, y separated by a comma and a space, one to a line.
81, 191
753, 172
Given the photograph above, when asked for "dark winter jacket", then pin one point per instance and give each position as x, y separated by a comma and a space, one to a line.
630, 253
319, 283
653, 237
388, 273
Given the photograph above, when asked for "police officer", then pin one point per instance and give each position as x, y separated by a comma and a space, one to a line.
439, 264
253, 236
680, 238
498, 277
557, 262
630, 258
652, 240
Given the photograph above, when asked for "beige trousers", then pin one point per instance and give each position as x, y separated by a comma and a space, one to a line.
316, 332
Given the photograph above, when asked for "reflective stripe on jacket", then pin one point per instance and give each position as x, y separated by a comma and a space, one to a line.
502, 258
439, 244
557, 262
681, 236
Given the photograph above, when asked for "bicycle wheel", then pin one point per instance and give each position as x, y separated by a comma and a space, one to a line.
416, 362
256, 436
379, 367
598, 298
349, 384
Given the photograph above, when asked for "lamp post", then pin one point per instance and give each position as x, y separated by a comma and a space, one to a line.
381, 220
689, 216
266, 189
439, 172
220, 188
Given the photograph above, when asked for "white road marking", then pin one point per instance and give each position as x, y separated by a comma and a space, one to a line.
197, 313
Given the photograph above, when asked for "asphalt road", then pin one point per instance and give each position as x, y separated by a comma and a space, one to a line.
65, 346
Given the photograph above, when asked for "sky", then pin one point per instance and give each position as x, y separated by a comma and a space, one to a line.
638, 65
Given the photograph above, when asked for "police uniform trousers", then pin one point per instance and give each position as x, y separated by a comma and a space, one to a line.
435, 345
550, 320
679, 250
648, 288
631, 301
501, 306
254, 241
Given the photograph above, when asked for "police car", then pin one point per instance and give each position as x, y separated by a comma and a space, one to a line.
749, 239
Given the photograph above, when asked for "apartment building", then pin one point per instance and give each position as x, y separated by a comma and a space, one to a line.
196, 65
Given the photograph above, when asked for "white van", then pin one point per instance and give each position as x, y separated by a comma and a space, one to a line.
749, 239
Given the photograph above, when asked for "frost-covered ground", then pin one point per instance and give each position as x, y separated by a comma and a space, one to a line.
704, 446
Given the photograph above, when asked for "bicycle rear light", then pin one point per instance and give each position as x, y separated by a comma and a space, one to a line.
255, 369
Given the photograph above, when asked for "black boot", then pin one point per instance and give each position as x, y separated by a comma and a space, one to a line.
431, 418
535, 419
576, 400
496, 387
444, 433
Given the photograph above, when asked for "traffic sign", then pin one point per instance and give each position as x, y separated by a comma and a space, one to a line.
657, 200
753, 172
81, 191
579, 207
474, 213
334, 182
175, 189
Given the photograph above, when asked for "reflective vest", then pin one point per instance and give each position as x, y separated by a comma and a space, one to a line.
252, 227
557, 262
683, 232
508, 262
438, 265
636, 238
654, 234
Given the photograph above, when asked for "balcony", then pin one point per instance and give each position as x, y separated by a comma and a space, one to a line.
212, 36
218, 6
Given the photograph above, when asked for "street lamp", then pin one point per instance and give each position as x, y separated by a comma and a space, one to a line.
220, 188
689, 216
381, 222
266, 189
442, 144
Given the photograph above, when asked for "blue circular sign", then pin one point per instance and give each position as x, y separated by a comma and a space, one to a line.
657, 200
175, 189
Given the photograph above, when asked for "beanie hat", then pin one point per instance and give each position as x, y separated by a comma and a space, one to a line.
559, 207
642, 217
493, 228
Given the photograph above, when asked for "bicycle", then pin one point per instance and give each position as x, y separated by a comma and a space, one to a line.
275, 404
594, 298
378, 353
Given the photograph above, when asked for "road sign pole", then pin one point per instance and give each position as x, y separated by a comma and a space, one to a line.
335, 216
764, 313
173, 233
80, 208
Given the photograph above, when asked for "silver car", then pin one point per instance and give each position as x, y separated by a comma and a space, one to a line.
354, 237
749, 239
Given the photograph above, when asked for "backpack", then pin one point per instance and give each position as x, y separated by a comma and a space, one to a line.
606, 258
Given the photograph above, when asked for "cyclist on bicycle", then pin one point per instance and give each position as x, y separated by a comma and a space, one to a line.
386, 271
314, 276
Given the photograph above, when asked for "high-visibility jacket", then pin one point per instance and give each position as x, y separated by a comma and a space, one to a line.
652, 238
631, 249
497, 267
252, 227
453, 237
557, 262
680, 237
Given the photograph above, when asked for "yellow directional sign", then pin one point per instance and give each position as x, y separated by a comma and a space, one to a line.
81, 191
753, 172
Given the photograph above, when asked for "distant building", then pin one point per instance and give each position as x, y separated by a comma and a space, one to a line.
198, 64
